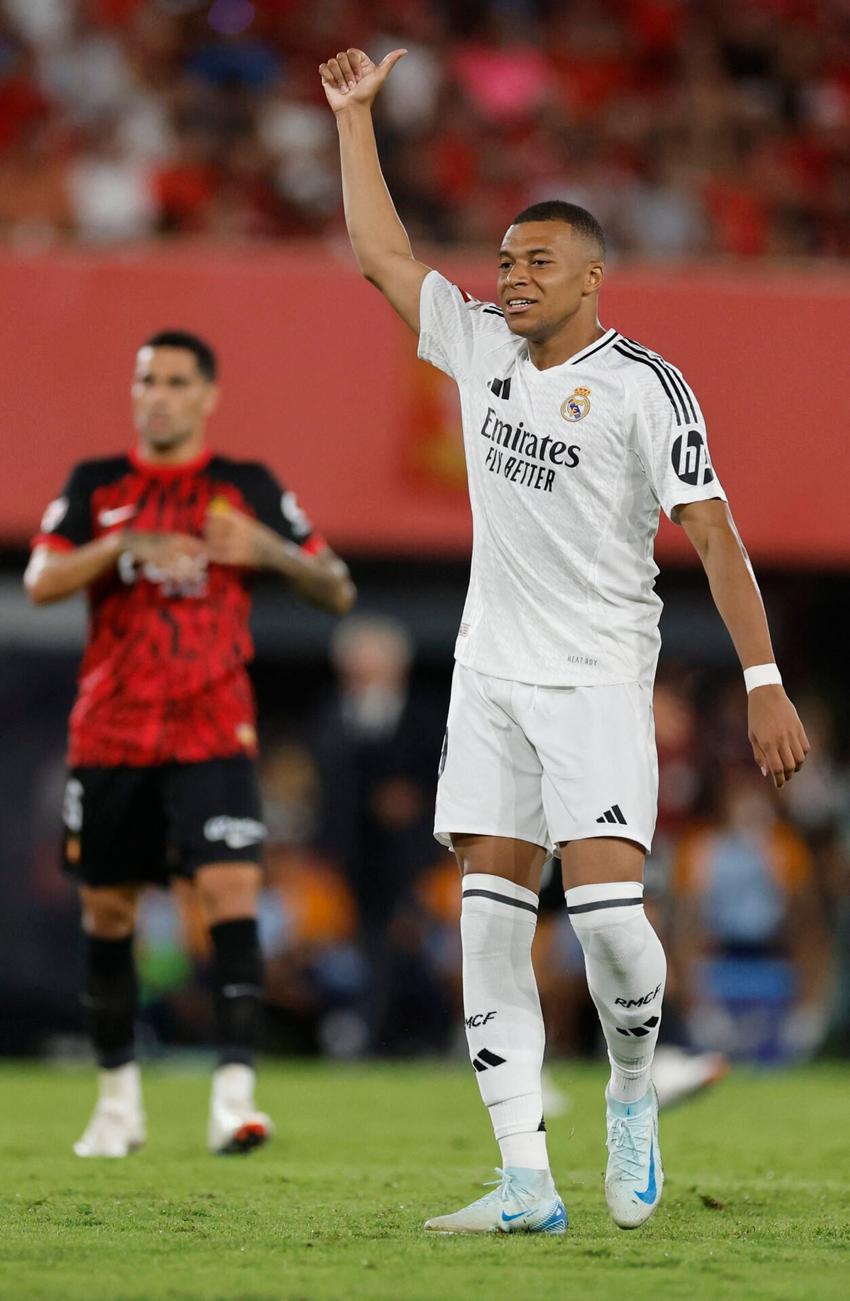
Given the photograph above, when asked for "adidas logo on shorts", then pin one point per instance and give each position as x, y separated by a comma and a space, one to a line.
614, 814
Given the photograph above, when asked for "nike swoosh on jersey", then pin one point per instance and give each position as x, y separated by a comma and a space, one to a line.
117, 515
648, 1194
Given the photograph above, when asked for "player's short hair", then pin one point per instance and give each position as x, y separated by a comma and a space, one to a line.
200, 350
583, 222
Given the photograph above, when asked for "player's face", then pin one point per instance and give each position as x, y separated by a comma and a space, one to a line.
546, 272
171, 398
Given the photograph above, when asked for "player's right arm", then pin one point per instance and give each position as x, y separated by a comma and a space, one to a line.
351, 82
53, 574
66, 558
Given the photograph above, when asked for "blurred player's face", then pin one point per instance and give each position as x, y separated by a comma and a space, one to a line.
547, 274
171, 400
374, 660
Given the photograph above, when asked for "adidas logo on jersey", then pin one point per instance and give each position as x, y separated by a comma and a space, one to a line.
614, 814
501, 387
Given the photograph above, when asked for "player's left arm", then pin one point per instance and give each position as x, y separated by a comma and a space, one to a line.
777, 736
277, 537
234, 538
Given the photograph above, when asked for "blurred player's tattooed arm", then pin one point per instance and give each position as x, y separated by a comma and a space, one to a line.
351, 82
233, 538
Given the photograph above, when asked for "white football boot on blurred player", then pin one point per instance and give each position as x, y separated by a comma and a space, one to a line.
235, 1124
678, 1075
117, 1125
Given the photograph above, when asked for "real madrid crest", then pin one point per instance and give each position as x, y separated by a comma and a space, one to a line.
577, 405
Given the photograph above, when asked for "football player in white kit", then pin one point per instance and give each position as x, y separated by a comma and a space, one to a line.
575, 437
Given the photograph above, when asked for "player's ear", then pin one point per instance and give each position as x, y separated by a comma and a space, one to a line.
211, 399
593, 277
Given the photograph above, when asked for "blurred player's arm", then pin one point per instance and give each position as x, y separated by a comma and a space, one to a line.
351, 81
809, 944
777, 736
53, 573
322, 578
687, 941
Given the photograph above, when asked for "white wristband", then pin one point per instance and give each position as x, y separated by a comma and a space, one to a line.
762, 675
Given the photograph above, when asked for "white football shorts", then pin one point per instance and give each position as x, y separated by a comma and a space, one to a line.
547, 764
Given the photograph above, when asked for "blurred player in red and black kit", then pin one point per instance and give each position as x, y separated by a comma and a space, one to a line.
162, 747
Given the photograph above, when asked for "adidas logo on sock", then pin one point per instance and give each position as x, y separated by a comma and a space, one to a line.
484, 1059
640, 1030
614, 814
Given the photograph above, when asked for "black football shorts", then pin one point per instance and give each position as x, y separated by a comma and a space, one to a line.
126, 824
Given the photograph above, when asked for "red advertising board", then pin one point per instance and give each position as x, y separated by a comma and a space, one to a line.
320, 380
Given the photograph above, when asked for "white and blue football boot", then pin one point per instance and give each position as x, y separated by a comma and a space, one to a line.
523, 1201
634, 1178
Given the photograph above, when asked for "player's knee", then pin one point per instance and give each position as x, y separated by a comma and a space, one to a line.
229, 908
108, 915
228, 893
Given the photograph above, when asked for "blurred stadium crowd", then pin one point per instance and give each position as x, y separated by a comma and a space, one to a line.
689, 127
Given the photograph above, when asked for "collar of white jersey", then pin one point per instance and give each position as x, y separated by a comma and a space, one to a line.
597, 346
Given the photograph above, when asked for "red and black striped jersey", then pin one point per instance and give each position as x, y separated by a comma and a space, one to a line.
163, 674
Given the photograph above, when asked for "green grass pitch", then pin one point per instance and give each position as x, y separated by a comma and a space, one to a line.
757, 1202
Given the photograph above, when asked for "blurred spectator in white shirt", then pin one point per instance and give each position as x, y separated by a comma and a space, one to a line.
112, 196
87, 73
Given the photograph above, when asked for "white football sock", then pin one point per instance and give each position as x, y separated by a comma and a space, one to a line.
626, 970
233, 1085
504, 1024
121, 1084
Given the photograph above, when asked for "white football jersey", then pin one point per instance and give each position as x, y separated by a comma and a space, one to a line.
567, 470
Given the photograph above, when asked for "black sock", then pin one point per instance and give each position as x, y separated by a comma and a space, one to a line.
238, 989
109, 998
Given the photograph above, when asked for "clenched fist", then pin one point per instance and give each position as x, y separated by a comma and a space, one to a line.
778, 738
